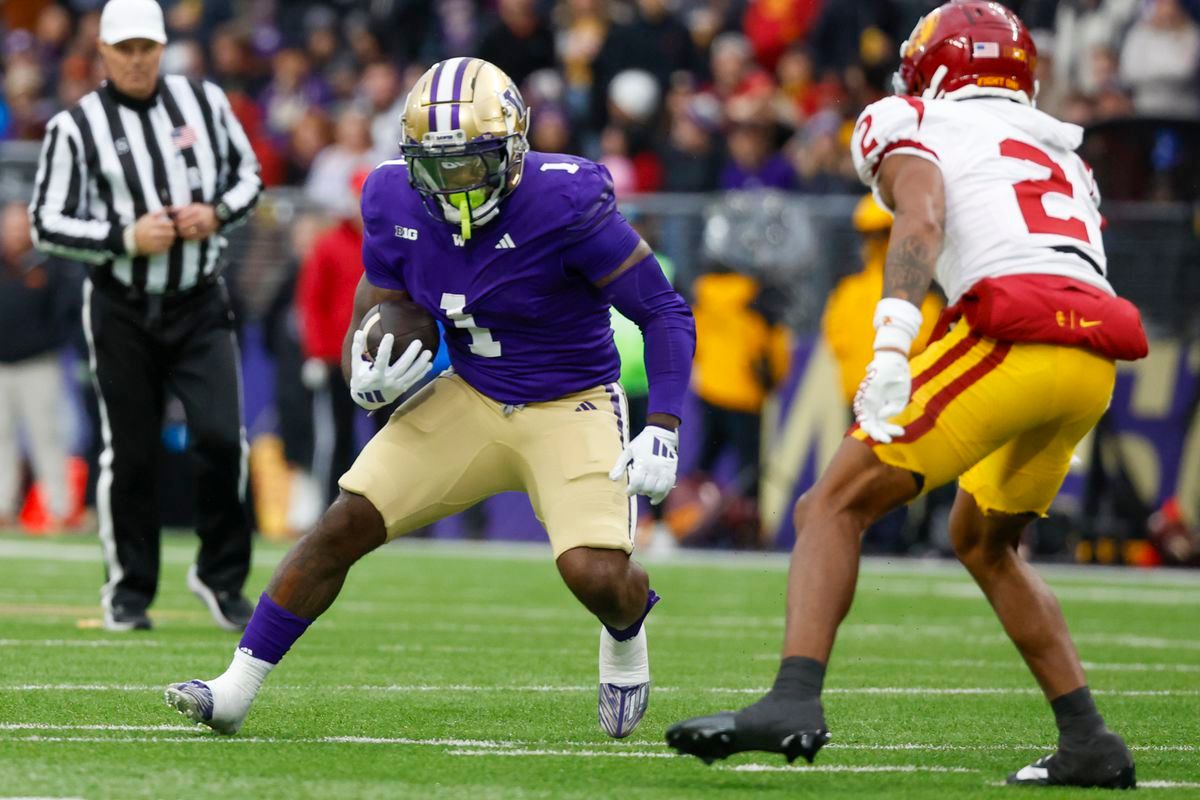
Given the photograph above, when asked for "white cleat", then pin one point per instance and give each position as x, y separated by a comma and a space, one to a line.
197, 701
624, 683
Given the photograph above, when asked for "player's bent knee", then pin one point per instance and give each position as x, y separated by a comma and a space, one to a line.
605, 581
351, 527
982, 541
861, 488
800, 511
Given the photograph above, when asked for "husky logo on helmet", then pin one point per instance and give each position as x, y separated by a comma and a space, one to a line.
464, 140
969, 48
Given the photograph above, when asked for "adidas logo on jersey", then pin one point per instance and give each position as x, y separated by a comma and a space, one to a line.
586, 405
505, 243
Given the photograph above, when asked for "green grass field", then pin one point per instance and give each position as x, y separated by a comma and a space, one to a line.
460, 672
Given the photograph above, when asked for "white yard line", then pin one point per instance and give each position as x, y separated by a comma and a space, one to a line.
572, 753
818, 768
1081, 594
619, 744
151, 740
441, 649
78, 687
49, 726
982, 663
84, 643
960, 631
480, 743
917, 691
626, 749
1128, 640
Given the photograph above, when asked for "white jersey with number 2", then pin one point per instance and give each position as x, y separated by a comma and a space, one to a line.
1019, 200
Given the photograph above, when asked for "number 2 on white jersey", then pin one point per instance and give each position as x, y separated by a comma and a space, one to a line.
482, 343
1030, 193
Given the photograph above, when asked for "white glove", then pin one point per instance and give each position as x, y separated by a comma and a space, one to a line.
883, 394
374, 384
651, 458
314, 374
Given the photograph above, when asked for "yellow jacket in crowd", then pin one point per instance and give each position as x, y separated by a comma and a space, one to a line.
740, 355
849, 313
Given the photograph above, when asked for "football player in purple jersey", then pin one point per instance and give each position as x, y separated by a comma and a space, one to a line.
519, 255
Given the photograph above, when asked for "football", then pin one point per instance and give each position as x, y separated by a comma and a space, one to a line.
406, 321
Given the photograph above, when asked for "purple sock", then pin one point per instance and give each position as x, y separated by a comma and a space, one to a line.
272, 631
632, 630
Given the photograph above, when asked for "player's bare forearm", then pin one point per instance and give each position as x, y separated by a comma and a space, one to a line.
908, 271
366, 296
913, 187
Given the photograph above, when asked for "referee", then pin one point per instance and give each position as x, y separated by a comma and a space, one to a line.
139, 180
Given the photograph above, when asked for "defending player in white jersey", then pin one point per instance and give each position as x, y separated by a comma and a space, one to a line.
990, 199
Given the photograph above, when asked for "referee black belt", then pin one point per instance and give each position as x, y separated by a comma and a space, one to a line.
133, 295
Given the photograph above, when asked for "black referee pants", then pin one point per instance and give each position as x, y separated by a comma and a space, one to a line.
141, 349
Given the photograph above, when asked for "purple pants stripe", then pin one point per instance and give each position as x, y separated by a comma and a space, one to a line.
615, 394
615, 397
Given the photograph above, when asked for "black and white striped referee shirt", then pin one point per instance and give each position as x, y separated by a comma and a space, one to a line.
111, 159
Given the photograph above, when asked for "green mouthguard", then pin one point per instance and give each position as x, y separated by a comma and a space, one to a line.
476, 198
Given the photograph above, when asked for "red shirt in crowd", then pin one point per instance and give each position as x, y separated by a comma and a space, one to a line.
325, 291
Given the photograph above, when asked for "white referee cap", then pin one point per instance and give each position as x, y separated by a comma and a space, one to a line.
132, 19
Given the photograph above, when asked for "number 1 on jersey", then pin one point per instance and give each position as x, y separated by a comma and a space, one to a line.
482, 343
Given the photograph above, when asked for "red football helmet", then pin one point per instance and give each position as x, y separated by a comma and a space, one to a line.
969, 48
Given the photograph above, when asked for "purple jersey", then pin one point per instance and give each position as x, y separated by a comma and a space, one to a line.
524, 322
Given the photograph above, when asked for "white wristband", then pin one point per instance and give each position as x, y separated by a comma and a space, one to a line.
897, 323
130, 239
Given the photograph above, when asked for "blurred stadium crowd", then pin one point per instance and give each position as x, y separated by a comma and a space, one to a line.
675, 96
671, 96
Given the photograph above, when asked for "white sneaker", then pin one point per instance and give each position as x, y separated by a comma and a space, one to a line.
624, 683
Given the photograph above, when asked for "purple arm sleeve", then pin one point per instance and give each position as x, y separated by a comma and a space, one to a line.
644, 295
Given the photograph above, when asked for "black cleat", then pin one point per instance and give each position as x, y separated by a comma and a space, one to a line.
120, 617
1104, 763
230, 610
770, 726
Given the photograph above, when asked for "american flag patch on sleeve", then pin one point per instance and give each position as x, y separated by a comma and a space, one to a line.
986, 50
183, 137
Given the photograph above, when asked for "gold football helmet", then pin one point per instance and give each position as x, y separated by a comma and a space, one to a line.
464, 128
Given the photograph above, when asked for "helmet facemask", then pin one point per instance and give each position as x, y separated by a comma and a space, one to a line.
460, 180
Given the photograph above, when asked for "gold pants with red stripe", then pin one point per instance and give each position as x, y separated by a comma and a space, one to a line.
1002, 417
